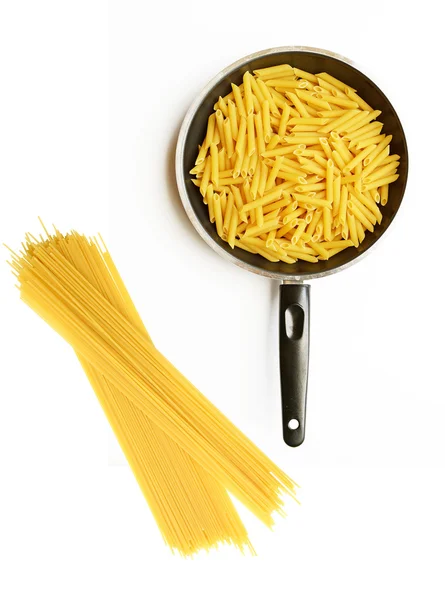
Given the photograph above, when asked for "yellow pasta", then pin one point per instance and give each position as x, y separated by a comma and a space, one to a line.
184, 453
278, 132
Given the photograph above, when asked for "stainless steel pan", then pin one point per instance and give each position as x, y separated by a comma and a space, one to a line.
294, 294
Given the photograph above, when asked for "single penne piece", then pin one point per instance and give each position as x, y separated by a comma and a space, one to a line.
267, 254
273, 143
242, 136
335, 82
201, 155
308, 121
305, 75
381, 146
310, 187
218, 214
263, 178
209, 197
390, 158
356, 212
205, 177
223, 200
371, 141
345, 231
278, 204
238, 202
323, 253
254, 231
256, 180
379, 182
299, 106
273, 172
305, 128
271, 238
248, 96
265, 116
360, 231
283, 121
219, 125
337, 244
222, 105
336, 192
388, 169
327, 222
325, 85
228, 139
294, 214
232, 227
228, 213
303, 138
356, 98
198, 169
299, 231
260, 142
251, 145
259, 217
231, 181
280, 151
268, 198
208, 194
331, 114
257, 93
245, 165
352, 228
286, 228
269, 71
252, 163
358, 158
330, 181
283, 83
326, 147
250, 249
236, 171
343, 204
233, 117
313, 224
211, 124
383, 191
338, 101
313, 202
239, 100
358, 173
311, 166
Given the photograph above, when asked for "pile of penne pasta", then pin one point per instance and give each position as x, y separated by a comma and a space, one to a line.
294, 166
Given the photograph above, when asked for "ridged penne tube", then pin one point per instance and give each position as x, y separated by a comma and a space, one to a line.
336, 190
214, 164
228, 213
352, 228
360, 231
218, 214
257, 230
261, 146
232, 228
251, 145
335, 82
384, 194
248, 97
327, 223
233, 117
269, 71
283, 121
239, 102
379, 182
375, 127
338, 100
365, 118
205, 177
242, 137
228, 138
311, 100
245, 165
268, 96
356, 98
222, 159
343, 204
286, 228
238, 201
299, 231
263, 178
371, 141
265, 117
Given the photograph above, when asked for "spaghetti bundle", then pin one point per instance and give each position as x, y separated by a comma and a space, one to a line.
184, 453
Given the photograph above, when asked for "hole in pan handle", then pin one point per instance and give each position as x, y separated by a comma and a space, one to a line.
294, 359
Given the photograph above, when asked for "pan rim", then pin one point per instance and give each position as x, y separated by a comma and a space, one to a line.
180, 180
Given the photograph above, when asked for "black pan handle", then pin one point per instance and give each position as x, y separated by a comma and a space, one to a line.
294, 359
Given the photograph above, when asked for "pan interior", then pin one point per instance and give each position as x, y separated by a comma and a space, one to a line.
314, 63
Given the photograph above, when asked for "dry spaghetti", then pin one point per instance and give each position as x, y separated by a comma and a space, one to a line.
184, 453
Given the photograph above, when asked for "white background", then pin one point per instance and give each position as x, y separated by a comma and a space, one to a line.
92, 96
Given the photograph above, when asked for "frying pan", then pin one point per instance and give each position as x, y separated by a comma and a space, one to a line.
294, 293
